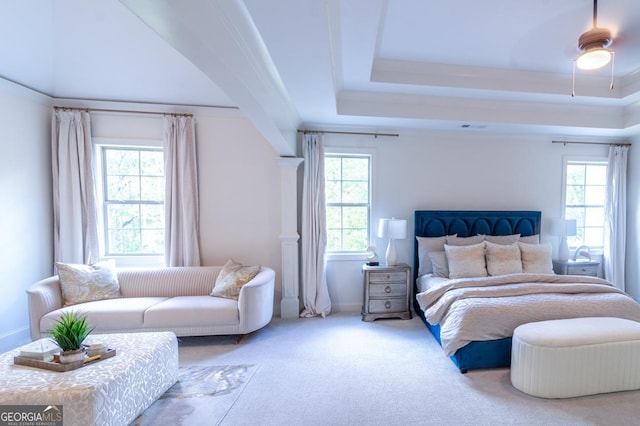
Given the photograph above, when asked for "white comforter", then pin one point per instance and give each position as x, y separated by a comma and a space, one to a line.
489, 308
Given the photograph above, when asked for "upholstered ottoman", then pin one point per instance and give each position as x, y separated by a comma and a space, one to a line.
113, 391
576, 357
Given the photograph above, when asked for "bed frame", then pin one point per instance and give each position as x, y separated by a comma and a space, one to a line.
466, 223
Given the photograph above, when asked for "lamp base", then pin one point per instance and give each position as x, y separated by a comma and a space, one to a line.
391, 253
563, 250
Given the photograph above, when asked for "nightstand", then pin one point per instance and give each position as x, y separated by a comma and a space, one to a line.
387, 290
576, 267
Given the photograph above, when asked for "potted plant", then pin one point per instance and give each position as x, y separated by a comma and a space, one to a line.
68, 333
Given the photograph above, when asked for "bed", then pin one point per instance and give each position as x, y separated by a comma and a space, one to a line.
472, 316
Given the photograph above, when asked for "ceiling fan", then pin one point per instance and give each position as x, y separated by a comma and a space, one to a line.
594, 45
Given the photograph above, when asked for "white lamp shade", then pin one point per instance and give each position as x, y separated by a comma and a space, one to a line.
397, 229
571, 227
383, 227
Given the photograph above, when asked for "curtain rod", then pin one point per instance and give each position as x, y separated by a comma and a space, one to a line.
305, 131
593, 143
123, 111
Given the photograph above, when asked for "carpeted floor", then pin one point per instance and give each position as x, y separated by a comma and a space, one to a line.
342, 371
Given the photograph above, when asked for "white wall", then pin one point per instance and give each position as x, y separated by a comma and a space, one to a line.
429, 170
26, 225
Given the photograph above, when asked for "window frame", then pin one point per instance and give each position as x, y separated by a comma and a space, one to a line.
122, 259
567, 160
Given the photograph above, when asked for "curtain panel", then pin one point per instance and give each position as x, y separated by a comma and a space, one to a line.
182, 235
315, 292
74, 204
616, 216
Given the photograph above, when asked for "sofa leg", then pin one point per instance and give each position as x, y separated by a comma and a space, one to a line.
238, 338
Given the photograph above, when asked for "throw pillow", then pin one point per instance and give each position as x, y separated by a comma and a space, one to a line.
530, 239
439, 263
466, 261
454, 240
231, 279
87, 283
427, 245
503, 259
536, 258
502, 239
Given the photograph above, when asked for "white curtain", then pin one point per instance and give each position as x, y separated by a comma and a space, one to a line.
616, 216
74, 205
315, 292
182, 241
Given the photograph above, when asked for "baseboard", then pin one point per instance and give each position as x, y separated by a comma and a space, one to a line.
14, 338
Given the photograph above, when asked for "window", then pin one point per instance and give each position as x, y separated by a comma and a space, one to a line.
133, 190
585, 193
348, 199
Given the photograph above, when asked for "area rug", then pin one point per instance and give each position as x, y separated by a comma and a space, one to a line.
202, 395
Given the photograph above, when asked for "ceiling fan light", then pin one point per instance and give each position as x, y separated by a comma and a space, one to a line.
593, 59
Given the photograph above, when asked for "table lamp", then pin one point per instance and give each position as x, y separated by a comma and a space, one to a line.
393, 229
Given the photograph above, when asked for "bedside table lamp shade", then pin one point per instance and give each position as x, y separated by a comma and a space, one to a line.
393, 229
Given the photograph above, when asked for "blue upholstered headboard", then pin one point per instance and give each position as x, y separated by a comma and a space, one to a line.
466, 223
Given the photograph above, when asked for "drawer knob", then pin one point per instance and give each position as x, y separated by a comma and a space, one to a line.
388, 277
387, 289
387, 304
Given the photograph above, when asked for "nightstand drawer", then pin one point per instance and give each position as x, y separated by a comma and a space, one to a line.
583, 270
387, 305
388, 277
387, 290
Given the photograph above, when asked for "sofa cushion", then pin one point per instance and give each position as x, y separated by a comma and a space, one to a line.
86, 283
231, 279
192, 311
109, 314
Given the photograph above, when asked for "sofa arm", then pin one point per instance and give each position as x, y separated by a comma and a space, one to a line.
43, 297
255, 302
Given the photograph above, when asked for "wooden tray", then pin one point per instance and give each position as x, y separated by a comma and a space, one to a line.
55, 364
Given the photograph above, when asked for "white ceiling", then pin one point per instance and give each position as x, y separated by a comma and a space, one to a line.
379, 65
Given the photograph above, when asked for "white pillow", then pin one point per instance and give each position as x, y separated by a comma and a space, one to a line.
466, 261
439, 263
502, 239
536, 258
503, 259
454, 240
427, 245
530, 239
87, 283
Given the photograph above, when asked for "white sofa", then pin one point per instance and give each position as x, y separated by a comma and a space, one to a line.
173, 299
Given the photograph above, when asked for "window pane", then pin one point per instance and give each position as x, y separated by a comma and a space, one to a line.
355, 192
152, 163
152, 216
596, 175
332, 191
355, 169
122, 162
123, 188
124, 241
152, 188
594, 195
152, 241
123, 216
575, 195
575, 174
355, 240
332, 168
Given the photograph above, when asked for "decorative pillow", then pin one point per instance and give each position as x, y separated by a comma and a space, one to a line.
466, 261
503, 259
454, 240
502, 239
536, 258
87, 283
439, 263
427, 245
530, 239
231, 279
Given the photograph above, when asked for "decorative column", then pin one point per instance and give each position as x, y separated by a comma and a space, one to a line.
290, 303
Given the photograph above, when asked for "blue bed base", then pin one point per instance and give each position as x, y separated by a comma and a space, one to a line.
436, 223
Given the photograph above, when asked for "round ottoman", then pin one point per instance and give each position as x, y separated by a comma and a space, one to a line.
575, 357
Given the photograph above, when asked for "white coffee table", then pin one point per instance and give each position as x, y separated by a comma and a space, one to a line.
113, 391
